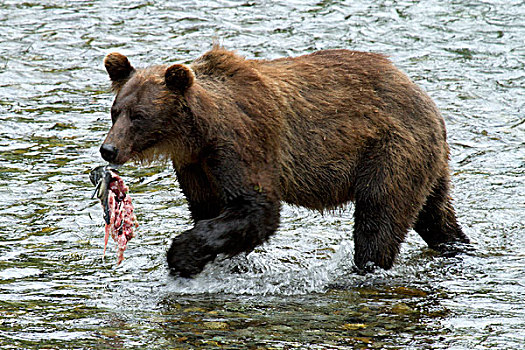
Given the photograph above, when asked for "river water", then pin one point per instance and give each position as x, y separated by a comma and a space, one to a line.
297, 291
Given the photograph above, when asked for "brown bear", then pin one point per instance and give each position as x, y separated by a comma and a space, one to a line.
317, 131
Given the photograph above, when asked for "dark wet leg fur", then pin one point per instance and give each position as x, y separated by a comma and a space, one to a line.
246, 223
378, 234
436, 222
382, 217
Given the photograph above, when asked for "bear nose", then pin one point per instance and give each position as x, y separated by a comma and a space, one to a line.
108, 152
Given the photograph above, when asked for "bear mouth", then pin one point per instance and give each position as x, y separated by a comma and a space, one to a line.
155, 152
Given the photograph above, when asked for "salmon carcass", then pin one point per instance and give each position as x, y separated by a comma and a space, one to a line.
118, 208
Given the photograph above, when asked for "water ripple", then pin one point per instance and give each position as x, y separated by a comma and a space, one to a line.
297, 290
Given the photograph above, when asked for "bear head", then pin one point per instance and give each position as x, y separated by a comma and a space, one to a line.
150, 117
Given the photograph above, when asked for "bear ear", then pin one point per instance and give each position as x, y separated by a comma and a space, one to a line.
118, 67
179, 77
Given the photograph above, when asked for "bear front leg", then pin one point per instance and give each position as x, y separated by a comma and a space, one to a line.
203, 199
247, 221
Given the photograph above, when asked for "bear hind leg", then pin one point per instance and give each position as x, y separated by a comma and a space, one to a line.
382, 220
377, 237
436, 222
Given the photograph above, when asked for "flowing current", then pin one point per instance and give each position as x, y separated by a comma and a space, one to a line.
297, 291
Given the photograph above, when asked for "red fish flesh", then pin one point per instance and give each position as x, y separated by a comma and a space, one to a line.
118, 208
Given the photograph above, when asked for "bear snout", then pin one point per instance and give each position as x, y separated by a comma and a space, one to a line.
109, 152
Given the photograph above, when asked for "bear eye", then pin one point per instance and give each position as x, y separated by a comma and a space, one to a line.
136, 116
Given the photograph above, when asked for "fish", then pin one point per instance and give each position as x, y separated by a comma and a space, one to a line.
120, 220
100, 177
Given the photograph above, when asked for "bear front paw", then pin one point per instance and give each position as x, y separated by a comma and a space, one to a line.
188, 255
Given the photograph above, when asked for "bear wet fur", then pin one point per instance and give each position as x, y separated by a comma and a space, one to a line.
318, 131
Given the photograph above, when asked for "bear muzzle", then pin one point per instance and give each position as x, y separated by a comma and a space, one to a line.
109, 152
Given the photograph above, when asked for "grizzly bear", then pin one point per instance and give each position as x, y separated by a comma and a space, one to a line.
319, 131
